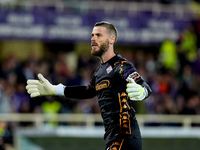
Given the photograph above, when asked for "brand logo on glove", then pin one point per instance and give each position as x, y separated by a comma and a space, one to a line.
134, 76
102, 85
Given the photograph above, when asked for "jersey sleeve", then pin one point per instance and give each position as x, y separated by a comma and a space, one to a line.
128, 70
81, 92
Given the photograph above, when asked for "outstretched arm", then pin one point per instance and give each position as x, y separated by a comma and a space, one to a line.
43, 87
79, 92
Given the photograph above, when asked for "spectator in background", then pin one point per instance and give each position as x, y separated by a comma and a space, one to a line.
51, 108
187, 47
6, 139
187, 78
192, 104
195, 5
5, 99
168, 55
30, 67
44, 66
196, 64
196, 24
20, 97
196, 73
29, 70
61, 71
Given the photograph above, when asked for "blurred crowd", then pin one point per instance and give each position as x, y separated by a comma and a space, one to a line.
173, 74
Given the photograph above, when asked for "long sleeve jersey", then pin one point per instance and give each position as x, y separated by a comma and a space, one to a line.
109, 85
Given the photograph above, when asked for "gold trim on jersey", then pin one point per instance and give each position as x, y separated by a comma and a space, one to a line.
124, 120
116, 145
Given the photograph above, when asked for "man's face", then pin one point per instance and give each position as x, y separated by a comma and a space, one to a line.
99, 41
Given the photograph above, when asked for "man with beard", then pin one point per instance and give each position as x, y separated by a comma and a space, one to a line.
116, 83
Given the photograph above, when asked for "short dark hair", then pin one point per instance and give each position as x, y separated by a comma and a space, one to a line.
110, 27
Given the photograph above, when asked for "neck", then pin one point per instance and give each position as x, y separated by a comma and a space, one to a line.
107, 55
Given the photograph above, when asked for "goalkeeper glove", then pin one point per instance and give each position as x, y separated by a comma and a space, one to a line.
43, 87
135, 91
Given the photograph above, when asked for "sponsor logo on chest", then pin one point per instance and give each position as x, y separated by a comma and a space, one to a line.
102, 85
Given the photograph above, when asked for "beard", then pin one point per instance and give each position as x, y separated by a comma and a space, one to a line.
102, 49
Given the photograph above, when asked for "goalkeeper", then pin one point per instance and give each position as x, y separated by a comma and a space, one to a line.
116, 83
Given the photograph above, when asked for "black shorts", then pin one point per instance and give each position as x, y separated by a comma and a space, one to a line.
128, 142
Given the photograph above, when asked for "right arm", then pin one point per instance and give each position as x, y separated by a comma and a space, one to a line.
43, 87
79, 92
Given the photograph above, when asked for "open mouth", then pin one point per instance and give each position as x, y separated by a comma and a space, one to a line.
94, 44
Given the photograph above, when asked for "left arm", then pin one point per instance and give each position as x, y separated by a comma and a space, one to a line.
137, 88
136, 91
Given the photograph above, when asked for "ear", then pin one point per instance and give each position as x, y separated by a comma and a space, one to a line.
112, 39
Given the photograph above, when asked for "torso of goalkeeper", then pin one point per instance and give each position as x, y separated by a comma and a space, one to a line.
109, 85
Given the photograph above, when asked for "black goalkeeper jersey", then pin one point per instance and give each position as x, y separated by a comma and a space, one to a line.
109, 85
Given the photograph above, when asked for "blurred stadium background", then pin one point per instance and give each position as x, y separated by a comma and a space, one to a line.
161, 37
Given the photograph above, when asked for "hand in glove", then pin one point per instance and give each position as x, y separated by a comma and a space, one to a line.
135, 91
43, 87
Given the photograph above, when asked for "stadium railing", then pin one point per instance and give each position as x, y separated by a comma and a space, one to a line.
91, 119
81, 128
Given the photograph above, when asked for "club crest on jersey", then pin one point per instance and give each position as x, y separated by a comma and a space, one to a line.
109, 69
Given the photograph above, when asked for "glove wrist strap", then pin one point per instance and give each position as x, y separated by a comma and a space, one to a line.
60, 88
